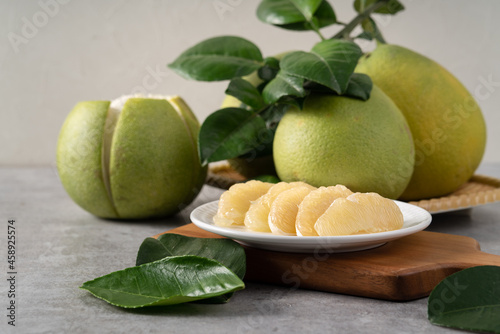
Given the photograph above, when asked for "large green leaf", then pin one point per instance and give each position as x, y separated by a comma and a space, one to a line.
283, 85
468, 300
392, 6
171, 280
296, 14
246, 93
226, 251
230, 132
330, 63
218, 58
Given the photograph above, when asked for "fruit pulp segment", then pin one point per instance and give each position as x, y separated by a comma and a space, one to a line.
234, 203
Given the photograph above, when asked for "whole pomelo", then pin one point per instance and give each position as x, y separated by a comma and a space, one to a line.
446, 123
131, 158
364, 145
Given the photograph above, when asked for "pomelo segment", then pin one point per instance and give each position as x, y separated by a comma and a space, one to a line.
314, 205
234, 203
283, 212
256, 219
360, 213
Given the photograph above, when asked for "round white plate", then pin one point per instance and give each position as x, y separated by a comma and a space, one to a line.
415, 219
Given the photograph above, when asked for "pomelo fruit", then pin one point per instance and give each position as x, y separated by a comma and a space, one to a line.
132, 158
257, 216
364, 145
447, 124
283, 212
234, 203
360, 213
314, 205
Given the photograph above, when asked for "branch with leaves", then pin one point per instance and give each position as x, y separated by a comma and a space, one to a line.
328, 68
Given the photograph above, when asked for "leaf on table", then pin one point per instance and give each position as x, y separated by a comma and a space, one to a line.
468, 300
230, 132
171, 280
296, 14
228, 252
330, 63
218, 58
246, 93
392, 7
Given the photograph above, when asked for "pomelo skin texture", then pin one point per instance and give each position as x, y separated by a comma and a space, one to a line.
364, 145
447, 125
133, 158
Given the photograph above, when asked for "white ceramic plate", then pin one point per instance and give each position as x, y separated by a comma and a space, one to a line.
415, 220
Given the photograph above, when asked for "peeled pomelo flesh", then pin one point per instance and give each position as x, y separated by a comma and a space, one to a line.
359, 213
234, 203
314, 205
256, 218
283, 211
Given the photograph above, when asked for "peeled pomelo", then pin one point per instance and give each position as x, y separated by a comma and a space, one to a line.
257, 216
314, 205
283, 211
364, 145
360, 213
448, 127
135, 157
234, 203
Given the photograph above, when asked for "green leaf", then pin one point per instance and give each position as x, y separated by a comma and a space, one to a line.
371, 31
283, 85
468, 300
226, 251
218, 58
228, 133
330, 63
246, 93
360, 86
271, 68
296, 15
168, 281
392, 7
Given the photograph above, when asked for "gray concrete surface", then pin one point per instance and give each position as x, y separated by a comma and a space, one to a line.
60, 246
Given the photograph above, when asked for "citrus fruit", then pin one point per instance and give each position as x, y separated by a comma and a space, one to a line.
283, 212
364, 145
314, 205
234, 203
257, 216
359, 213
132, 158
447, 124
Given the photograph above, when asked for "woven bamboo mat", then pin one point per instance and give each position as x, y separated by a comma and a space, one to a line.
477, 191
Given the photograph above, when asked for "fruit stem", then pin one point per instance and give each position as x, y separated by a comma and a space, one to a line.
344, 33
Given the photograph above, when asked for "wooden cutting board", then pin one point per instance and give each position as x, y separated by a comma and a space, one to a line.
404, 269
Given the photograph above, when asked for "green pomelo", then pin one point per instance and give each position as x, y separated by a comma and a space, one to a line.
446, 123
364, 145
131, 159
